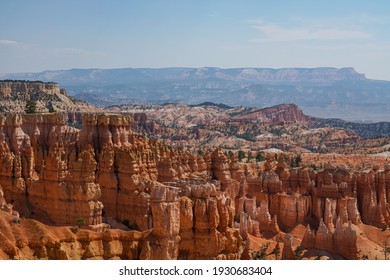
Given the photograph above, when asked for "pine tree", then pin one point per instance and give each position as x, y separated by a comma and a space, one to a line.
259, 157
240, 155
51, 108
31, 107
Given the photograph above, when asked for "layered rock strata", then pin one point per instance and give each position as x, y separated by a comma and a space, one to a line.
7, 87
63, 176
341, 240
20, 96
206, 224
195, 207
27, 239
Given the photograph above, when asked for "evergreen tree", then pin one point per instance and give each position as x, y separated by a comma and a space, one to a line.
240, 155
259, 157
296, 161
31, 107
298, 253
262, 253
51, 108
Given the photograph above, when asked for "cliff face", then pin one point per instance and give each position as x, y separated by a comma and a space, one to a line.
340, 240
22, 238
206, 224
27, 239
192, 206
335, 202
43, 171
63, 176
373, 196
295, 75
19, 87
14, 96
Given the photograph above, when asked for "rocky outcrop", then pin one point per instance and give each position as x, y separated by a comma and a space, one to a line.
8, 86
206, 224
373, 195
66, 176
341, 240
285, 113
283, 198
334, 195
220, 168
334, 201
8, 208
192, 206
29, 239
47, 97
165, 219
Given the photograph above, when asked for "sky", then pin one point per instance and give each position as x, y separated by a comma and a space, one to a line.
55, 35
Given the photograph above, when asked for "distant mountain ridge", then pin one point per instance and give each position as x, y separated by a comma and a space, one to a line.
320, 75
324, 92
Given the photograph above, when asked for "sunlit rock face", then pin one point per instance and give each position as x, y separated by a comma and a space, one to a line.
192, 206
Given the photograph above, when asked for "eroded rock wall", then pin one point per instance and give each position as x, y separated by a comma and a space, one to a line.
66, 176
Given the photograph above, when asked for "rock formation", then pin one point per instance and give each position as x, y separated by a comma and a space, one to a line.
285, 113
334, 201
342, 240
182, 205
284, 127
7, 87
47, 97
65, 176
373, 196
29, 239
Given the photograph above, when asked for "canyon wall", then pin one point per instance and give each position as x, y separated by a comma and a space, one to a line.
36, 96
65, 176
8, 87
192, 206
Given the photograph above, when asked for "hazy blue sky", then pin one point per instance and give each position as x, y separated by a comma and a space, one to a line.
40, 35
